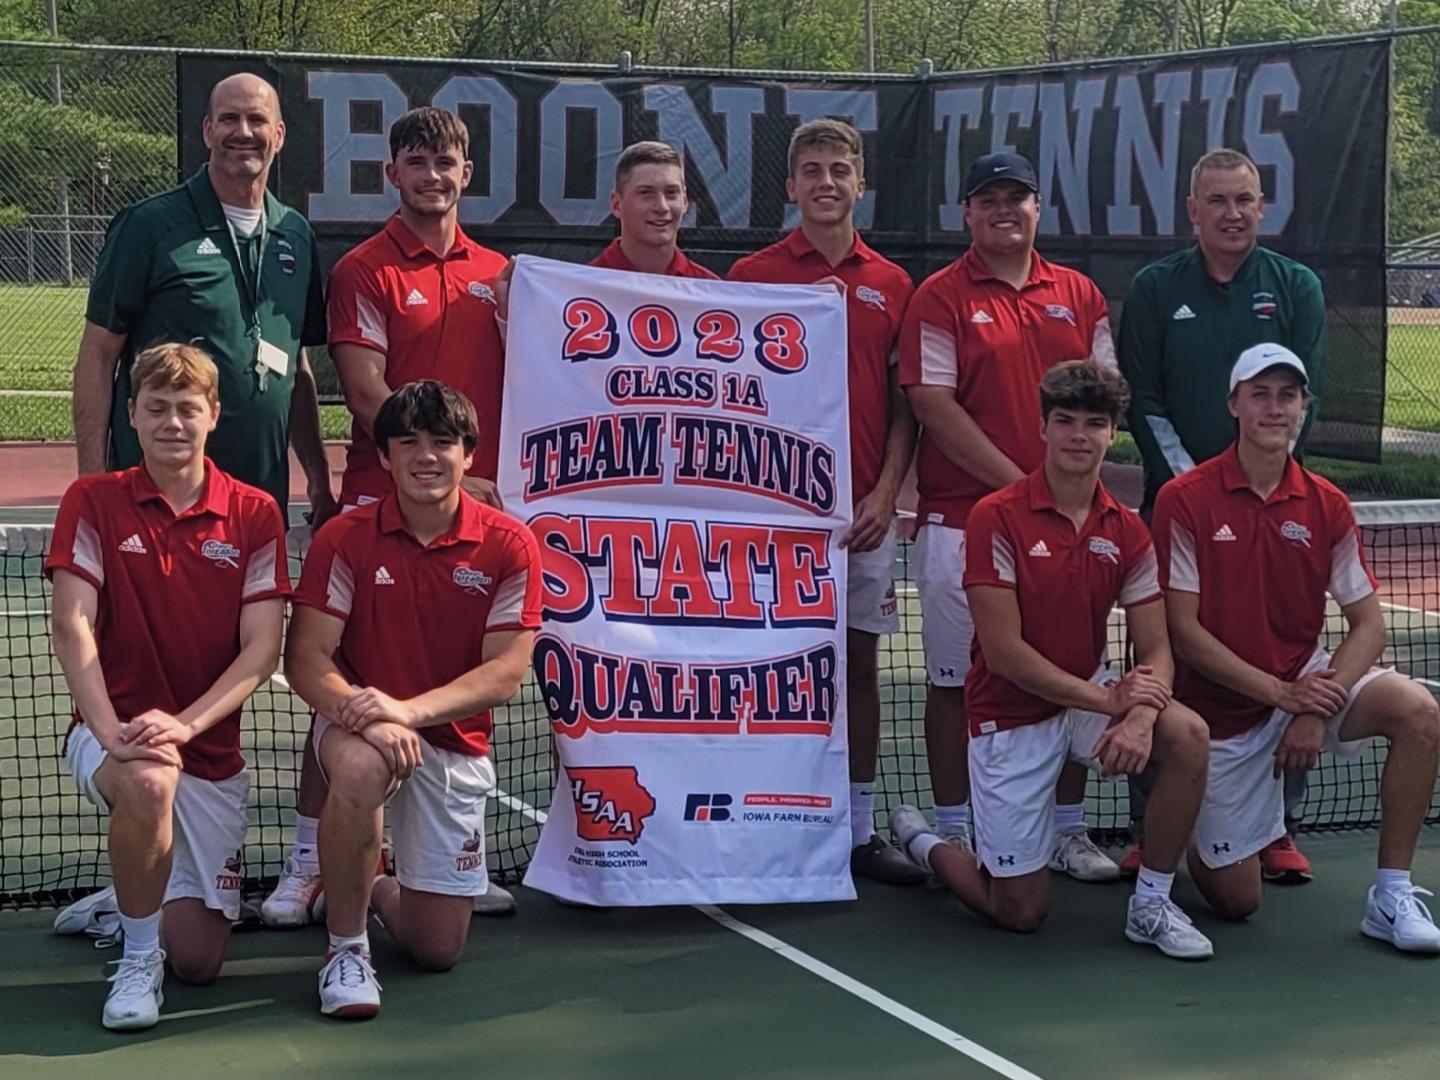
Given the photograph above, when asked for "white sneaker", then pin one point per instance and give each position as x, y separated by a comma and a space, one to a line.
135, 993
497, 901
906, 823
348, 987
298, 898
1161, 923
97, 915
1400, 917
1077, 855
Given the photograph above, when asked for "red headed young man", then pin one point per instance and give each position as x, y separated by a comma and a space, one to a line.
414, 618
1250, 543
1037, 692
414, 301
978, 337
169, 596
827, 177
650, 203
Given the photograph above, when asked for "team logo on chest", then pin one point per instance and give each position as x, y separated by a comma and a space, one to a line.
870, 297
1106, 550
1296, 533
221, 553
474, 582
481, 291
1061, 312
1263, 305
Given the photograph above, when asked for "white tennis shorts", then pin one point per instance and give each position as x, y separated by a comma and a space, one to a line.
1012, 785
946, 627
1244, 807
437, 820
870, 604
208, 850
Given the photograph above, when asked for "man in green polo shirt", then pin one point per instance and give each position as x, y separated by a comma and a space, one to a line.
220, 263
1189, 315
1186, 318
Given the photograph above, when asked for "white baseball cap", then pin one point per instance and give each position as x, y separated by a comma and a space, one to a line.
1260, 358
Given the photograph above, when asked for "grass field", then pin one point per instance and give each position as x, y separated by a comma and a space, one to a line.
40, 329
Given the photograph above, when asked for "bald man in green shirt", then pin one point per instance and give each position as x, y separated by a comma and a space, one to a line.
1186, 319
220, 263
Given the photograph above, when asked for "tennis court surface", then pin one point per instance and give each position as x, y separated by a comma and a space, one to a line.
902, 983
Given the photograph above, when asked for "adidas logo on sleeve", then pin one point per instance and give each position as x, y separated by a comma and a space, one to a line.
981, 317
382, 577
1040, 551
415, 297
1183, 312
133, 545
1224, 533
206, 247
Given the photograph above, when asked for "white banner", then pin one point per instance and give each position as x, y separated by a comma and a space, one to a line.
680, 449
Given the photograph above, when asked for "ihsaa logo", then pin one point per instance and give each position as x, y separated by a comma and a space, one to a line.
610, 802
700, 806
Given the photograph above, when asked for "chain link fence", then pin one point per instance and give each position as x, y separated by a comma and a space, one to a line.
85, 132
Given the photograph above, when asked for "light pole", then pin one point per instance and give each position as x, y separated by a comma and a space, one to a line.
869, 35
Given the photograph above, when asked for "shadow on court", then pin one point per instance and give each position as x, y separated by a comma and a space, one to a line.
665, 993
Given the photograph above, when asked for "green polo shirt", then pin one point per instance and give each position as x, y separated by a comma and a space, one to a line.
1180, 334
172, 271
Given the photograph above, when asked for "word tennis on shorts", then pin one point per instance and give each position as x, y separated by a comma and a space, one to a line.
589, 690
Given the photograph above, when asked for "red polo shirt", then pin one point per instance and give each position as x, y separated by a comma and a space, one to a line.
1066, 583
432, 318
171, 588
875, 300
1262, 568
612, 258
969, 331
416, 615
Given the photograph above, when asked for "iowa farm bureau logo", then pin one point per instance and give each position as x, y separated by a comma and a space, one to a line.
610, 802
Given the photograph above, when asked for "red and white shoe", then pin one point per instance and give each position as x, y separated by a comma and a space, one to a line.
298, 898
1284, 863
348, 987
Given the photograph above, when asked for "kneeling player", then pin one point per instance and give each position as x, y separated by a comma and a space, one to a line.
414, 617
1249, 544
1047, 558
170, 585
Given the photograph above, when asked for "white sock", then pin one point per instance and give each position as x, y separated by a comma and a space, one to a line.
306, 851
350, 941
1386, 879
142, 936
862, 813
921, 846
952, 819
1069, 819
1151, 886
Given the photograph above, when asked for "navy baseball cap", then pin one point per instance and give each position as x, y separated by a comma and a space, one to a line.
988, 168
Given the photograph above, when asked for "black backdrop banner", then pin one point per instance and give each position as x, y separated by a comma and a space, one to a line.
1113, 144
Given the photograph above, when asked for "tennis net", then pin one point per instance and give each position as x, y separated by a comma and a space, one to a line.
52, 841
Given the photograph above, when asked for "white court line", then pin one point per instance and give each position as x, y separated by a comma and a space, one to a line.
906, 1015
1412, 610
